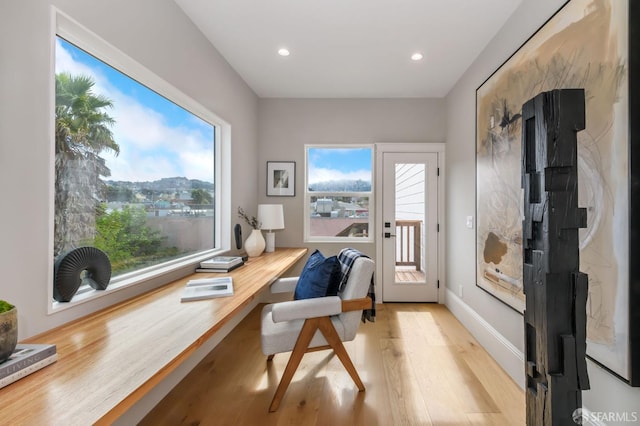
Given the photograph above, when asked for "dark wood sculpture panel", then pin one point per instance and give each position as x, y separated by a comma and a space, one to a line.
556, 291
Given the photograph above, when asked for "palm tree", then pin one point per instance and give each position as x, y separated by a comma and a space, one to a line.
82, 132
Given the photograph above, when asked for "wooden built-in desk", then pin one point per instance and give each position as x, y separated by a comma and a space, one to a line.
109, 360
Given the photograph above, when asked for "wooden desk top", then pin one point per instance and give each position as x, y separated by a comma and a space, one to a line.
109, 360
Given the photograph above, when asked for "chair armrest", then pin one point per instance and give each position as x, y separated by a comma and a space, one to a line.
284, 285
306, 308
356, 304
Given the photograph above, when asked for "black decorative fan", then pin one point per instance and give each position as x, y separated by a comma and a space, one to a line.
84, 265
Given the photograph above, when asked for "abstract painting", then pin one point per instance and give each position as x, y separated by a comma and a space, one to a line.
584, 45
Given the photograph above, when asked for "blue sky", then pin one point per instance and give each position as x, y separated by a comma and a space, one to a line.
157, 138
326, 164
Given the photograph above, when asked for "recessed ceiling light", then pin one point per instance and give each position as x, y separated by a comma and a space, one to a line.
283, 52
416, 56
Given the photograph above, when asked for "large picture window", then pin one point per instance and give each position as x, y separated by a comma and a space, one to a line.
338, 193
135, 173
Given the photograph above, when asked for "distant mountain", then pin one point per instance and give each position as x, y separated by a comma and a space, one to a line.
165, 184
341, 186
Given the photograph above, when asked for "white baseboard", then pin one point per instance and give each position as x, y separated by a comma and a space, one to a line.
510, 358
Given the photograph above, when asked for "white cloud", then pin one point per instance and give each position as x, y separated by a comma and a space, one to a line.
129, 114
317, 175
200, 164
144, 169
150, 148
66, 63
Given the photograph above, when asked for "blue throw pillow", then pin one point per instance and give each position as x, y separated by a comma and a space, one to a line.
320, 277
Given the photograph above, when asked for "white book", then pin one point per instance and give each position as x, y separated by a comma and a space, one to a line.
221, 262
28, 370
24, 355
207, 288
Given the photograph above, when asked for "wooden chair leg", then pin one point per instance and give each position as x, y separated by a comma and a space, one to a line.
306, 334
331, 336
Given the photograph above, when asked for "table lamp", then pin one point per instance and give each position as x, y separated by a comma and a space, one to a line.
270, 217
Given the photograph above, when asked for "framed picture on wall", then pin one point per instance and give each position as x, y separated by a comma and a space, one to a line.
281, 178
589, 44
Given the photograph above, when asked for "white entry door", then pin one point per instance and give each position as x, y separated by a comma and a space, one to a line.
410, 227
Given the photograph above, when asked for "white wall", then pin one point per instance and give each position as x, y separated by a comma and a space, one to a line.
156, 34
286, 125
160, 37
608, 393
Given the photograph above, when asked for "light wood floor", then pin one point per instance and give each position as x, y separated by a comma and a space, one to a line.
419, 366
409, 275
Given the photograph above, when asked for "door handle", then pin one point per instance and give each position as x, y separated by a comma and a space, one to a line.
388, 235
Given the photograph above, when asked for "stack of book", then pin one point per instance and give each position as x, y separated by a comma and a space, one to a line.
207, 288
220, 264
26, 359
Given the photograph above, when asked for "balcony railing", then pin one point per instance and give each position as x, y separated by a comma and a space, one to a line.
408, 236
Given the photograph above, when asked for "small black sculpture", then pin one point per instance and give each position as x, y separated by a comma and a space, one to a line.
84, 265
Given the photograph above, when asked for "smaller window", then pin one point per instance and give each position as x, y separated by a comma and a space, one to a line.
338, 193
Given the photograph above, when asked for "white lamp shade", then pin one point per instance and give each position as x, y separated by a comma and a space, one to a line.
271, 216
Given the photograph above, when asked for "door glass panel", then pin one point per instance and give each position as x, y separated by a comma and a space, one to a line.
410, 208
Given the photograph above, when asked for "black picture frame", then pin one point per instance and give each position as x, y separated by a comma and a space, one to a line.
634, 193
281, 178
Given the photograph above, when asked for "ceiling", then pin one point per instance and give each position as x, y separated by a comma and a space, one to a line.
349, 48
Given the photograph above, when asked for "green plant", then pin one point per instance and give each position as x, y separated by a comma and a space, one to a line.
201, 196
127, 239
252, 221
5, 306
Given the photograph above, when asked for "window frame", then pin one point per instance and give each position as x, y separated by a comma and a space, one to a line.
308, 238
64, 26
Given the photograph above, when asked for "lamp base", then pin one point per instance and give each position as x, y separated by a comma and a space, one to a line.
271, 242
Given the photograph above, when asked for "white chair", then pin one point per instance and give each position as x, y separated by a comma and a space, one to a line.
309, 325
